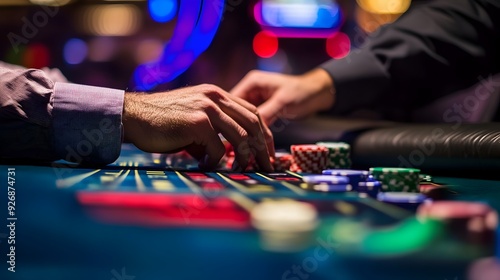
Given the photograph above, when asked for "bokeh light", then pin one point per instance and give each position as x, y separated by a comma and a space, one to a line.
36, 56
148, 50
276, 63
369, 22
385, 6
162, 10
50, 2
101, 49
75, 51
112, 20
338, 46
265, 44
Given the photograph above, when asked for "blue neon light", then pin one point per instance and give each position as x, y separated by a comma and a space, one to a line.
197, 23
75, 51
162, 10
301, 14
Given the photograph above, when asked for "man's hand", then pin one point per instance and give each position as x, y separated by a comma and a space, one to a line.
286, 96
191, 118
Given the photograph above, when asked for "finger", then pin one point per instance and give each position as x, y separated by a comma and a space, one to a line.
251, 88
234, 133
214, 149
269, 137
249, 120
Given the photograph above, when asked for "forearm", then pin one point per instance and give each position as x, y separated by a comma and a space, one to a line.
433, 50
43, 120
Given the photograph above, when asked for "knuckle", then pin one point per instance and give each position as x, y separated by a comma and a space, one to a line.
210, 90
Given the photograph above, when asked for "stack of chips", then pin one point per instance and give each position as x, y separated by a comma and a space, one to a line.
309, 158
339, 154
397, 179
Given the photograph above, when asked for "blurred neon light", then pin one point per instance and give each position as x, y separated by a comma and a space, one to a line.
162, 10
265, 44
300, 19
75, 51
197, 23
338, 46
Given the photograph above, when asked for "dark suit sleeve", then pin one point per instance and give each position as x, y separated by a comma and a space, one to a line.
436, 48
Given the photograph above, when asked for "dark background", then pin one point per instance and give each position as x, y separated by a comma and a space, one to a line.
226, 61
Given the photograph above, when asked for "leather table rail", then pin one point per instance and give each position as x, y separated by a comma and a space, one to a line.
452, 147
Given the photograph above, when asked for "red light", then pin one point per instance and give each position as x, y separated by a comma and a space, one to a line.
265, 44
36, 56
338, 46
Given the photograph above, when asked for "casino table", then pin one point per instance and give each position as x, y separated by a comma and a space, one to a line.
147, 216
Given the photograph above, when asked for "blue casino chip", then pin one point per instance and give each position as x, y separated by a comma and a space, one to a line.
355, 176
331, 187
370, 187
346, 172
401, 197
327, 179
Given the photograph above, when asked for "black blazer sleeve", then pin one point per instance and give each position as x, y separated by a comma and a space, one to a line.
436, 48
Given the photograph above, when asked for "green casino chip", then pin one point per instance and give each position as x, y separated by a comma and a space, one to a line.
339, 154
397, 179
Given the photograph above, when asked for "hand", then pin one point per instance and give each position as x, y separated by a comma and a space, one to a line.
286, 96
191, 118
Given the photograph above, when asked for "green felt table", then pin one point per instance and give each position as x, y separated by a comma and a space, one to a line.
59, 234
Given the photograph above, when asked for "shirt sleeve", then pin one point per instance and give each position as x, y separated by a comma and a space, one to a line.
435, 49
44, 120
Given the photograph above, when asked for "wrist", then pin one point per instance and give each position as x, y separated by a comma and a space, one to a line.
130, 113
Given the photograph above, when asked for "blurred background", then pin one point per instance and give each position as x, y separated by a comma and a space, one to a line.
102, 42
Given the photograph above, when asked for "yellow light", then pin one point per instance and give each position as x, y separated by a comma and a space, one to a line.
112, 20
369, 22
385, 6
50, 2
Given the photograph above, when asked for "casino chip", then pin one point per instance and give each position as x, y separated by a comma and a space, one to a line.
309, 158
471, 221
405, 200
282, 161
397, 179
326, 183
355, 176
327, 179
339, 154
284, 225
370, 187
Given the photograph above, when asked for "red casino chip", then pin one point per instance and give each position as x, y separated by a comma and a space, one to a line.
310, 158
472, 221
282, 162
252, 164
